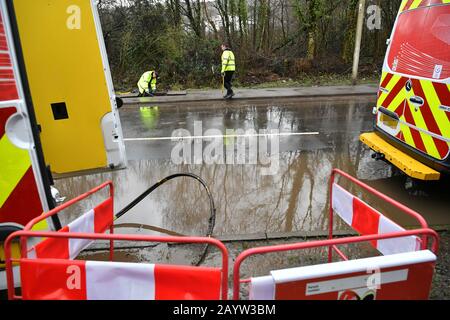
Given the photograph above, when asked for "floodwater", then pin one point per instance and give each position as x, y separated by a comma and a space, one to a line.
293, 199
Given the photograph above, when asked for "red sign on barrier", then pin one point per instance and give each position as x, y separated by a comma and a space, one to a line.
404, 277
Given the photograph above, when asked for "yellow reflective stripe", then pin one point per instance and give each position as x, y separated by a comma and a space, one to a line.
415, 4
407, 133
40, 226
402, 6
430, 146
383, 75
228, 61
433, 101
389, 87
420, 122
397, 100
14, 163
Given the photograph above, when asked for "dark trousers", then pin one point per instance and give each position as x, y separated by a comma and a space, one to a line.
227, 81
150, 92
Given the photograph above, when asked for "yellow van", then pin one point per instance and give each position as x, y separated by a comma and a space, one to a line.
412, 128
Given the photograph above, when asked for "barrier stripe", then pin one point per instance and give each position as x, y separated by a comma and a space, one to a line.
367, 221
96, 220
404, 276
51, 279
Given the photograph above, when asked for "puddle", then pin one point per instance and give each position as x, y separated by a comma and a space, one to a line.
295, 199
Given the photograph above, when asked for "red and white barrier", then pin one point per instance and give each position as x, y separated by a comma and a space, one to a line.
262, 288
402, 272
50, 279
96, 220
403, 276
366, 221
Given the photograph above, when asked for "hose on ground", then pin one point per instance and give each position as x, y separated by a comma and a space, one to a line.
212, 217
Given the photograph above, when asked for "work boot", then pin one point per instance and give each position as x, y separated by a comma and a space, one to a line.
227, 96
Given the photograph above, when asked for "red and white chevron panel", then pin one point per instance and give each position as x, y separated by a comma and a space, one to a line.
8, 88
59, 279
96, 220
17, 177
367, 221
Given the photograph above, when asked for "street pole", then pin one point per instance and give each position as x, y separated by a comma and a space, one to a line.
359, 28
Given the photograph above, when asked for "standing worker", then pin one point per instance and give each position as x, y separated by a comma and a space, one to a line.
228, 68
147, 84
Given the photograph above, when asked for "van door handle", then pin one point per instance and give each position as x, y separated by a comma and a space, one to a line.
417, 101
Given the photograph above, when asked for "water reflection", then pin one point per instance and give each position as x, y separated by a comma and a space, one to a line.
295, 199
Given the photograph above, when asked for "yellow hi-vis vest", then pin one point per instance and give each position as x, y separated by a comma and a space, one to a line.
228, 61
146, 78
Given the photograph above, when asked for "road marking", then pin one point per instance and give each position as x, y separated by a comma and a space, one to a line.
282, 134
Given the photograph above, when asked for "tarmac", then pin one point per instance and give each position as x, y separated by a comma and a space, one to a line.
246, 94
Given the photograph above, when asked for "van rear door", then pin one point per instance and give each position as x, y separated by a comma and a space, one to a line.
24, 183
71, 85
416, 78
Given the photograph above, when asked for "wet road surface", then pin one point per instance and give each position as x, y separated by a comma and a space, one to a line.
294, 199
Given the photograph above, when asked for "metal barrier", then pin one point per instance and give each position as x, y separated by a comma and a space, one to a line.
396, 204
61, 247
372, 234
316, 244
111, 237
107, 208
384, 234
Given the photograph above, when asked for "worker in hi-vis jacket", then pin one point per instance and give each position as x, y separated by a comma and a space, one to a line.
228, 68
147, 83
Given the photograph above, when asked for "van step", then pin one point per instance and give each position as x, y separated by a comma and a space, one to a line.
401, 160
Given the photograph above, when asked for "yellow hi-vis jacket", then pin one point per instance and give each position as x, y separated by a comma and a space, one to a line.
228, 61
146, 78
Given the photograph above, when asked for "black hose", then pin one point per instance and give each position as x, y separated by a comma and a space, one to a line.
212, 218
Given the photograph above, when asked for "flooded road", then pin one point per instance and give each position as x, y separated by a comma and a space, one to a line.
247, 201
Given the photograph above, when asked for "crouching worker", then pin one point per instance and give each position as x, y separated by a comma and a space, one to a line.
147, 84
